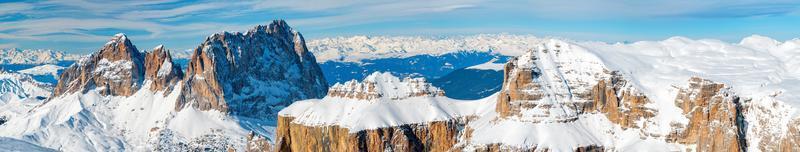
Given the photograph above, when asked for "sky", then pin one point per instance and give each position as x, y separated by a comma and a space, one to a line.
83, 26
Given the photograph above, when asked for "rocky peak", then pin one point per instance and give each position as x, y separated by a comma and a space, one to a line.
253, 73
120, 69
553, 80
117, 69
161, 70
716, 121
384, 85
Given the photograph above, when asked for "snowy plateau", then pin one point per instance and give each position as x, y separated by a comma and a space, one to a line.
269, 89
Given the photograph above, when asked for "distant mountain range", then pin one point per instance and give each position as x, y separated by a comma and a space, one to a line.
17, 56
267, 90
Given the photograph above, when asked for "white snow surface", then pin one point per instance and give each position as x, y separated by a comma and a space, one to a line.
43, 70
357, 115
756, 68
14, 145
118, 123
489, 66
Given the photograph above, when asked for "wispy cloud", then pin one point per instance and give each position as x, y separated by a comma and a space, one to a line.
8, 45
8, 8
385, 11
87, 22
587, 9
168, 13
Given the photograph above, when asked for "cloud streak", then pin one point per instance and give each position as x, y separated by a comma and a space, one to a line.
87, 21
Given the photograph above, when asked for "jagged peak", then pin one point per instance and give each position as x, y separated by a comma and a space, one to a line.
118, 38
384, 85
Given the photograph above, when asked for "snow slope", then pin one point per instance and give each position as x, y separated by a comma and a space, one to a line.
43, 70
143, 121
14, 145
491, 65
20, 93
357, 115
389, 110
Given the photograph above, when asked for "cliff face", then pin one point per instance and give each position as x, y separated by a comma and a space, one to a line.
616, 99
252, 73
300, 129
437, 136
119, 69
715, 117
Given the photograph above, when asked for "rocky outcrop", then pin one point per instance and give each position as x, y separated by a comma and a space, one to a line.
715, 117
257, 143
619, 102
253, 73
436, 136
161, 70
383, 85
119, 69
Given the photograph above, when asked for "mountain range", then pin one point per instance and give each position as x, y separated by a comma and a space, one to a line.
267, 90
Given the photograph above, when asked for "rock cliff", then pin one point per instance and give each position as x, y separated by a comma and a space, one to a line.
255, 73
161, 70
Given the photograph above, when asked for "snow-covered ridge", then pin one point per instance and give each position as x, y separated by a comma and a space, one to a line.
356, 48
357, 115
757, 67
380, 85
17, 56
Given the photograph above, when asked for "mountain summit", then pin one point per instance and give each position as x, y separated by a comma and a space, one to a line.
252, 73
118, 68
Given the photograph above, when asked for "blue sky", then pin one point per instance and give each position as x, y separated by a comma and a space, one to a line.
80, 26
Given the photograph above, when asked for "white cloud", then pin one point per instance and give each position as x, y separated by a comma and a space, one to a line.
157, 14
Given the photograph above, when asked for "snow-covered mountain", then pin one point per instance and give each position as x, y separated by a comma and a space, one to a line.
17, 56
238, 92
20, 93
673, 95
252, 74
122, 99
